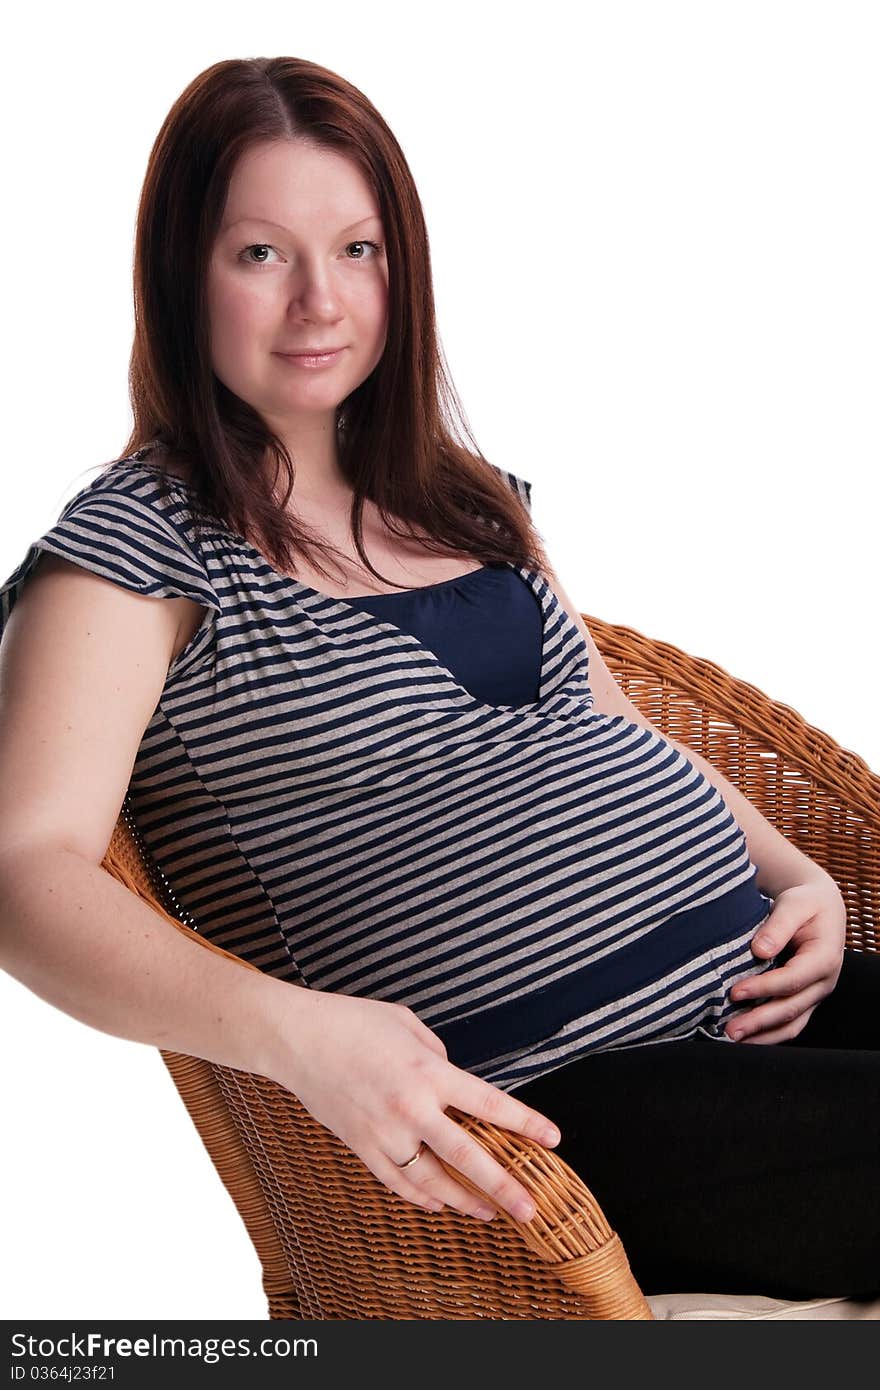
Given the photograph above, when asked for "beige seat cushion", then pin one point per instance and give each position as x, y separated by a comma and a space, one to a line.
707, 1307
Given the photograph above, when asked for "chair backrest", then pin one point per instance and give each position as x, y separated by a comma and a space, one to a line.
332, 1240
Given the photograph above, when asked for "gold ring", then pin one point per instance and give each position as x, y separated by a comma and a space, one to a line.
417, 1154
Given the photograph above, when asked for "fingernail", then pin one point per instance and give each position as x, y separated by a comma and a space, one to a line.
551, 1135
764, 943
485, 1213
736, 1034
524, 1211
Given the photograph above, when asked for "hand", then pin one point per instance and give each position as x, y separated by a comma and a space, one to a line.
812, 918
379, 1079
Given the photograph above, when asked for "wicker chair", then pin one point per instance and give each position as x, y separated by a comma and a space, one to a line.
335, 1243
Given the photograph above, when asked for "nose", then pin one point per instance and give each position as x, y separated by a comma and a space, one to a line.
313, 293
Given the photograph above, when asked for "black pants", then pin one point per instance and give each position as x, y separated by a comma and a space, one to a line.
745, 1168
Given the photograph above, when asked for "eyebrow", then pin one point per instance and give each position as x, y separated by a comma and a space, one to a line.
266, 222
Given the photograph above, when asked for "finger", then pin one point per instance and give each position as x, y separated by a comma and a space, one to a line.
466, 1156
449, 1143
772, 1016
788, 979
433, 1189
779, 1035
478, 1097
768, 943
472, 1095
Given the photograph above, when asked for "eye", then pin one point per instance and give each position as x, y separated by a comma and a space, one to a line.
376, 247
257, 246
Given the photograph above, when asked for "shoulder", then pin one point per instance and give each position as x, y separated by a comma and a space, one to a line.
135, 475
131, 494
124, 529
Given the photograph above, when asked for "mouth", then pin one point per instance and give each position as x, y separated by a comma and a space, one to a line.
312, 357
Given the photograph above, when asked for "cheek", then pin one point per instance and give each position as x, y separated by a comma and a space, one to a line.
373, 308
235, 304
239, 323
241, 310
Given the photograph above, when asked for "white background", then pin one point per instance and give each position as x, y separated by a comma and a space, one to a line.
654, 231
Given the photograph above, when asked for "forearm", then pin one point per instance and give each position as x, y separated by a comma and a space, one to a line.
85, 943
780, 864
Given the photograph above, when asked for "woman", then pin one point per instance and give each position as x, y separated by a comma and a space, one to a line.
372, 746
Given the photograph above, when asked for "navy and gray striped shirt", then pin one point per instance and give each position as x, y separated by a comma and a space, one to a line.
326, 799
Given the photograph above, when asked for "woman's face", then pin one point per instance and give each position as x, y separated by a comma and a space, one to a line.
295, 266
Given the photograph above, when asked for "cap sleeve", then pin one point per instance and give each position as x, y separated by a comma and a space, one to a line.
120, 535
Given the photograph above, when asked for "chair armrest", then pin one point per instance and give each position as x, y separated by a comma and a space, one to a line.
569, 1230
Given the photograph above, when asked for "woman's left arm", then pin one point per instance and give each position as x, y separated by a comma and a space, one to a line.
808, 915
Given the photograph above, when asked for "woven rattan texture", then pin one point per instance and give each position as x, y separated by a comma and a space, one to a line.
334, 1242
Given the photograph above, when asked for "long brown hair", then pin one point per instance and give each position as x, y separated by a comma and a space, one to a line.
397, 429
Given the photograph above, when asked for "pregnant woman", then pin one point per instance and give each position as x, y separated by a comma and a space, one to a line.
372, 747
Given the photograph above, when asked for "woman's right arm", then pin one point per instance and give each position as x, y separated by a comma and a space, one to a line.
82, 665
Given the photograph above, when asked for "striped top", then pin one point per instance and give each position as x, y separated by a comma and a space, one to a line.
326, 800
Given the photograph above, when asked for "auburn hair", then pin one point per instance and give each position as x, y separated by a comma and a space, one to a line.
404, 442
